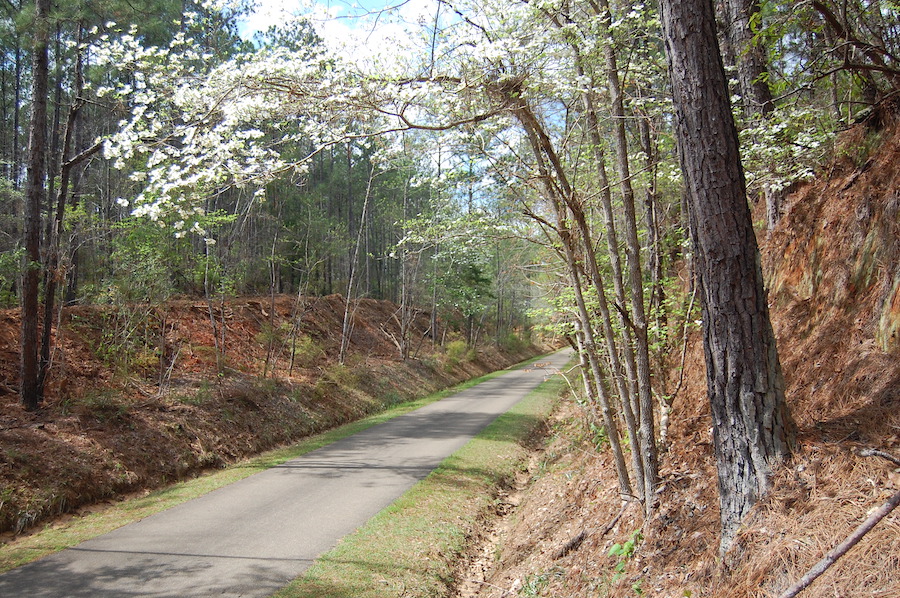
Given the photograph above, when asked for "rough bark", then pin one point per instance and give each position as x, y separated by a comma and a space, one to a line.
750, 57
34, 199
744, 381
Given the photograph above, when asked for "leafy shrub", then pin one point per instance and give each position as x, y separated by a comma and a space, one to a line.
306, 351
456, 352
273, 335
9, 272
514, 343
342, 375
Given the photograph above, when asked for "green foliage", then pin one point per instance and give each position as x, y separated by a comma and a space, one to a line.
104, 405
625, 552
10, 252
124, 339
204, 393
9, 271
599, 436
340, 374
534, 584
306, 351
456, 352
274, 336
786, 147
141, 262
515, 343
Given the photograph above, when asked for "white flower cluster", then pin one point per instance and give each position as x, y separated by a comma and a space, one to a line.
191, 130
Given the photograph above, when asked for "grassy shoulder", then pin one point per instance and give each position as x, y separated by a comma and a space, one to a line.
409, 549
70, 531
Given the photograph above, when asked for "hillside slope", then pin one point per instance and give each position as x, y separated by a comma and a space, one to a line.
833, 267
120, 419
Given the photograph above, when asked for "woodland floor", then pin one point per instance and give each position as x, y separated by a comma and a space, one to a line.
118, 419
833, 269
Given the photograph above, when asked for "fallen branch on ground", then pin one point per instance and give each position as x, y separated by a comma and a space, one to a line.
575, 542
876, 453
851, 541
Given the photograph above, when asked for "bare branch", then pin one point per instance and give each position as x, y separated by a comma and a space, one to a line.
876, 453
842, 548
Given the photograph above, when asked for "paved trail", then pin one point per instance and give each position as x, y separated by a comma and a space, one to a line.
252, 537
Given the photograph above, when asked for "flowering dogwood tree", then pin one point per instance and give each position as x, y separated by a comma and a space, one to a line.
499, 69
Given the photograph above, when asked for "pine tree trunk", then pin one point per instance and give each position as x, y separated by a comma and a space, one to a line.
744, 381
34, 199
750, 57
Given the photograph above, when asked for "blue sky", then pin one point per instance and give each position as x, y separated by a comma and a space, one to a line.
365, 31
345, 13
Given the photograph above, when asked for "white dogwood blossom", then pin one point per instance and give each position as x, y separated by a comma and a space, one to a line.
195, 127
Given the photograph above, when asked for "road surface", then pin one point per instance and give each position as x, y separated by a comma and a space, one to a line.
253, 537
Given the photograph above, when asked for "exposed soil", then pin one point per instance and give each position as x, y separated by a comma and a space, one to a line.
139, 397
833, 268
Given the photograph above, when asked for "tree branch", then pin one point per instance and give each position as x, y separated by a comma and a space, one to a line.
84, 155
842, 548
874, 53
876, 453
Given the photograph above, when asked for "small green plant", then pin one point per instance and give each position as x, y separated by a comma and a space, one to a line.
104, 405
514, 343
342, 375
267, 387
534, 585
599, 437
203, 394
305, 351
626, 549
10, 263
624, 552
273, 336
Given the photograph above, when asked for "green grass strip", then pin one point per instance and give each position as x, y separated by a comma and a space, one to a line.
409, 549
66, 533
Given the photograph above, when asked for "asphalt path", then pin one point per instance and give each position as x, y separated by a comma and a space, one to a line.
253, 537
